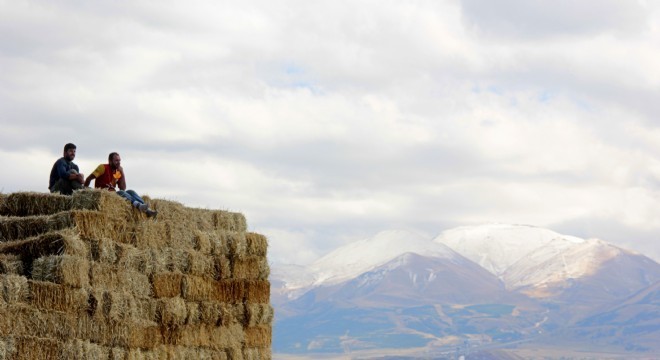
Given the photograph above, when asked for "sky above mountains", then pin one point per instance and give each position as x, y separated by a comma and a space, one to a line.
326, 122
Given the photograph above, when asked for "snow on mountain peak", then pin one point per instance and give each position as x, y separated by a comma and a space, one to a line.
498, 246
353, 259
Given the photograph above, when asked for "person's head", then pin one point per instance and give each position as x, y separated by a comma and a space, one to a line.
114, 160
69, 151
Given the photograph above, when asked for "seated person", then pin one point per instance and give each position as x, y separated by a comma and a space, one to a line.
109, 175
65, 175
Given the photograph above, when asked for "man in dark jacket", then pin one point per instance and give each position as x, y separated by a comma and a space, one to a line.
65, 175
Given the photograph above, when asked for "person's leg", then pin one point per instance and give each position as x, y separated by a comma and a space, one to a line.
67, 185
126, 195
56, 187
135, 196
144, 206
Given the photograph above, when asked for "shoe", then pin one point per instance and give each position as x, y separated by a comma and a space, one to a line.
143, 207
152, 213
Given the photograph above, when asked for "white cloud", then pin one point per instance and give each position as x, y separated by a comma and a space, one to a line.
327, 122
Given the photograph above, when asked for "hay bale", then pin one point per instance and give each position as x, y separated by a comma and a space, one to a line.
177, 260
154, 354
251, 268
208, 279
171, 311
167, 284
30, 348
232, 221
11, 264
235, 353
103, 250
208, 336
129, 333
17, 228
261, 353
120, 306
221, 314
93, 224
62, 269
258, 314
237, 245
64, 242
26, 320
218, 240
117, 353
257, 291
193, 313
101, 200
7, 348
49, 296
222, 267
196, 288
83, 350
14, 288
258, 336
145, 336
257, 244
210, 312
32, 203
251, 354
194, 353
150, 234
198, 264
112, 278
201, 242
130, 257
230, 291
180, 234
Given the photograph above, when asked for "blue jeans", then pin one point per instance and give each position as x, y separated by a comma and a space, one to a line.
130, 195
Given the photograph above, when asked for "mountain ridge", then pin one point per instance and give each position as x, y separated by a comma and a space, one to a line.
412, 289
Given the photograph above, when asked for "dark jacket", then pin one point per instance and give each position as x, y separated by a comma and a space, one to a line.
61, 170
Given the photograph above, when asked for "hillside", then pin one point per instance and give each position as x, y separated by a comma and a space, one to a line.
88, 277
475, 289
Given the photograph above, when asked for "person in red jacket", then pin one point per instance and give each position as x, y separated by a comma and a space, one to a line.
109, 176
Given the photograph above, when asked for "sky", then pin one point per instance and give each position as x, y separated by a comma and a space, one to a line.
325, 122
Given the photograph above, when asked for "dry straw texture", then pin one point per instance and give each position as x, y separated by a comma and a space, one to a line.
89, 277
62, 269
49, 296
11, 264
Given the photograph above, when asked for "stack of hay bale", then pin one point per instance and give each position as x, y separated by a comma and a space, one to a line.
89, 277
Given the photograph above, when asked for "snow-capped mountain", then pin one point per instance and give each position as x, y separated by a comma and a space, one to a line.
498, 246
411, 279
354, 259
545, 271
496, 283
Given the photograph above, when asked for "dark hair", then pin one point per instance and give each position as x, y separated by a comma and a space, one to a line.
69, 146
112, 154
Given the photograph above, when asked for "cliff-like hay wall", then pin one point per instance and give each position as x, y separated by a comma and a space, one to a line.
89, 277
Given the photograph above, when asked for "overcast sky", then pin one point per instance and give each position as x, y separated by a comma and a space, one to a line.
325, 122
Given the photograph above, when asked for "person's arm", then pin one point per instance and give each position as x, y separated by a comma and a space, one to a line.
62, 172
78, 176
96, 173
122, 180
89, 179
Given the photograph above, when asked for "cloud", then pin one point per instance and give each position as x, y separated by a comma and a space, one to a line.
543, 18
328, 122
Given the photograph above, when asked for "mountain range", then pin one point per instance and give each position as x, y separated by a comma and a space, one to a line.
467, 290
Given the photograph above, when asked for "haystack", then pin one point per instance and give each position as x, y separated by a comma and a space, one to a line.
89, 277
